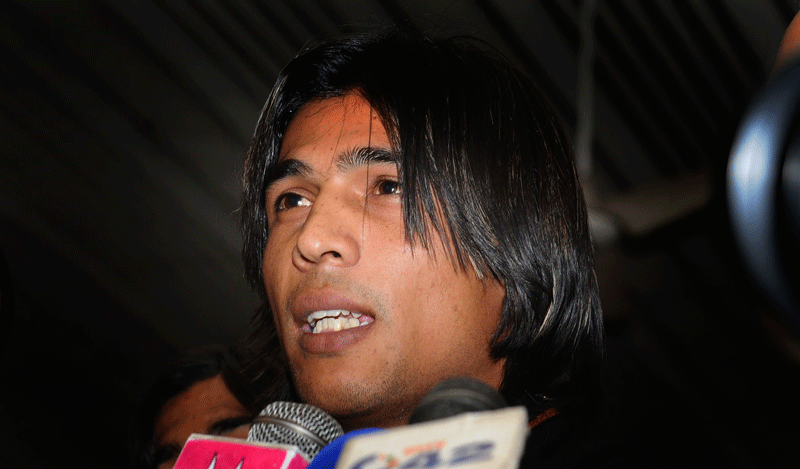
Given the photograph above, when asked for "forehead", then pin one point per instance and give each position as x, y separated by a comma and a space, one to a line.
330, 126
194, 410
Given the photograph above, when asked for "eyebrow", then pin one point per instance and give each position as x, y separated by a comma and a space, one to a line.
345, 161
364, 156
228, 424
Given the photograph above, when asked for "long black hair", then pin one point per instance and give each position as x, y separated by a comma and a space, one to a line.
483, 162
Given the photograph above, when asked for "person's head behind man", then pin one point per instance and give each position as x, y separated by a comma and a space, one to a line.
202, 393
426, 186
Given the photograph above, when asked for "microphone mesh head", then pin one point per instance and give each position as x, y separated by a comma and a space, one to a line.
304, 426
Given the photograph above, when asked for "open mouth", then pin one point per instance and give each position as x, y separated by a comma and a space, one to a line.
335, 320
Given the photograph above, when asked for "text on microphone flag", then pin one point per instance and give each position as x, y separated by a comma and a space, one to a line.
214, 452
475, 440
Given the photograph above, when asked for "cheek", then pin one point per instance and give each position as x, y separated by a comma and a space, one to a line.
270, 268
429, 305
277, 257
468, 309
494, 300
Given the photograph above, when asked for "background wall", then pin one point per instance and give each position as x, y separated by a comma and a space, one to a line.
124, 127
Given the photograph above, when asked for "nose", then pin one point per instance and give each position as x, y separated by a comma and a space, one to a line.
329, 235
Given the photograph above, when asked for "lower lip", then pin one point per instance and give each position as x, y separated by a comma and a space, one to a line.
333, 342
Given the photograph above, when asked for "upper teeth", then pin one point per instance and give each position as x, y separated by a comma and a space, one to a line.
333, 320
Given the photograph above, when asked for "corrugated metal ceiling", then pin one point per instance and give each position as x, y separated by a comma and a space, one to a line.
125, 125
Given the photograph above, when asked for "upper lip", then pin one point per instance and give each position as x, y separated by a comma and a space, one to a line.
309, 302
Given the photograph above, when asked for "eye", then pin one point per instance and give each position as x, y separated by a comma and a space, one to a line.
387, 187
290, 200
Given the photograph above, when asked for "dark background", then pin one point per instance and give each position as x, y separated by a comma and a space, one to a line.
124, 130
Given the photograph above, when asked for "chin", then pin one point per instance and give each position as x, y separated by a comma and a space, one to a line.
334, 399
356, 406
354, 418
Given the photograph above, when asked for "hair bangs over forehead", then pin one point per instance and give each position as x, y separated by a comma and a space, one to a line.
438, 122
462, 121
474, 137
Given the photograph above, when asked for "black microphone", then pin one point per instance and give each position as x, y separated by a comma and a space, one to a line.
457, 396
460, 422
285, 435
764, 192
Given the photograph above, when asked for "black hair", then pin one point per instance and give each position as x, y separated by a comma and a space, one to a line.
484, 163
176, 378
7, 313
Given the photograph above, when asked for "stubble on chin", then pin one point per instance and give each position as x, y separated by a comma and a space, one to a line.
359, 404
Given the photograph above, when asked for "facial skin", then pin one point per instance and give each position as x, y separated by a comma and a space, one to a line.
790, 45
207, 407
337, 242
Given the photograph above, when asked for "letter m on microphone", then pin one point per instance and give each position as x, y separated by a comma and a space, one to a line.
214, 452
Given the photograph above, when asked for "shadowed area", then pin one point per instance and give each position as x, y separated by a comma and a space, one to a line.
124, 130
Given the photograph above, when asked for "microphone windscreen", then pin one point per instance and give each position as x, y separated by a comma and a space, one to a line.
304, 426
329, 455
457, 396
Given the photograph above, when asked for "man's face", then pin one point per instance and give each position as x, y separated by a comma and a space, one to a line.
207, 407
388, 322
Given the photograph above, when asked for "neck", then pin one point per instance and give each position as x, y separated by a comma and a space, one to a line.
352, 422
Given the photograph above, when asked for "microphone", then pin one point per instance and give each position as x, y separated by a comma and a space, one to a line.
304, 426
329, 455
461, 422
285, 435
456, 396
763, 192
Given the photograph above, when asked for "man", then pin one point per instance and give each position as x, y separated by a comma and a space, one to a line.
412, 213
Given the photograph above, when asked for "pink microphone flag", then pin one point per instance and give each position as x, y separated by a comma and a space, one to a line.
216, 452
